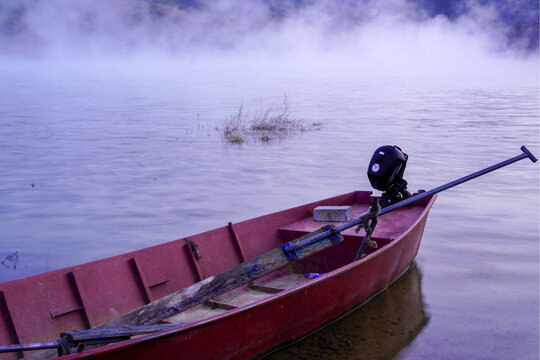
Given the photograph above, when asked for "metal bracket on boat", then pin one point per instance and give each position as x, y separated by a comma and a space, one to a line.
336, 237
194, 249
373, 244
289, 249
64, 348
369, 222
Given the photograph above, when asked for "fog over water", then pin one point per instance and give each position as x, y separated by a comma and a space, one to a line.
108, 143
334, 38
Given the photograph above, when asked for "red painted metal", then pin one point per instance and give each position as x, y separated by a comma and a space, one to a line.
38, 308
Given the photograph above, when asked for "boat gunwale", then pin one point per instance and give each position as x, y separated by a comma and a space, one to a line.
131, 253
272, 297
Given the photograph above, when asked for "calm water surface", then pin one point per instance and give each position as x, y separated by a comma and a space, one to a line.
92, 167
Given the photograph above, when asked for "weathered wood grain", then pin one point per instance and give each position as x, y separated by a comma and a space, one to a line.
211, 287
215, 285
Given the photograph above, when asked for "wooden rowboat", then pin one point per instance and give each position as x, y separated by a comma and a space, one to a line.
235, 292
243, 323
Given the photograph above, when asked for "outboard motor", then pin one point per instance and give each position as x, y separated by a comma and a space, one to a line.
385, 173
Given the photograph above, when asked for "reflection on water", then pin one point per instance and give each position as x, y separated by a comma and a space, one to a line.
378, 330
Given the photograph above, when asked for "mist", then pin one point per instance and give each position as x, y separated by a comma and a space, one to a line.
323, 37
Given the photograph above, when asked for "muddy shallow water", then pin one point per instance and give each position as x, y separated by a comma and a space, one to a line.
379, 329
93, 167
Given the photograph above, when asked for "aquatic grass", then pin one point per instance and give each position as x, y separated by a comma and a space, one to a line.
233, 128
264, 125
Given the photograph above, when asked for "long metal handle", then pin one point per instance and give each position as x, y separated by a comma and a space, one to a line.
70, 339
526, 154
29, 347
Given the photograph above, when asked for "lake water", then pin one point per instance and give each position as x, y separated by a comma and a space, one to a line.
92, 166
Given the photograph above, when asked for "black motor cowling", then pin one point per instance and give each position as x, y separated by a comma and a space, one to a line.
385, 173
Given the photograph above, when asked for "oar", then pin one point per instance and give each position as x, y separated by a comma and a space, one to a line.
271, 261
526, 154
71, 339
250, 270
213, 286
225, 281
361, 220
261, 265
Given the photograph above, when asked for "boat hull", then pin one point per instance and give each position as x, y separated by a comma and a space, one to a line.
255, 330
38, 308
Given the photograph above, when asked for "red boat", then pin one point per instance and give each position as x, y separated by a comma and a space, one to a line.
246, 322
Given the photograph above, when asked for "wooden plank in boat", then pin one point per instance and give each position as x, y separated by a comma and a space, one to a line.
196, 313
284, 281
239, 297
244, 297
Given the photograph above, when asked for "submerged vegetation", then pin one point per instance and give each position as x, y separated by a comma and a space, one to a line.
11, 260
264, 125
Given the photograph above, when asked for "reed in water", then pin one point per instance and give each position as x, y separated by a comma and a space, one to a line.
264, 125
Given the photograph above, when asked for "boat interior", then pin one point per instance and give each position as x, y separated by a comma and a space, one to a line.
90, 294
388, 229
